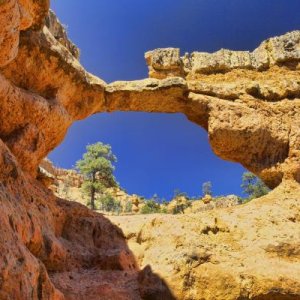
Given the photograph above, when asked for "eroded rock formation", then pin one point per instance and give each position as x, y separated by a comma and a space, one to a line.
248, 102
234, 253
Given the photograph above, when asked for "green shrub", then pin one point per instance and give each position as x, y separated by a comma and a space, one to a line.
253, 186
178, 193
164, 210
109, 204
181, 206
128, 207
150, 207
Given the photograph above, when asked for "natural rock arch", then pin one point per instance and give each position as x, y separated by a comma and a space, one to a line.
249, 102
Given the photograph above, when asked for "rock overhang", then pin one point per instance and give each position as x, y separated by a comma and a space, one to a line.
247, 101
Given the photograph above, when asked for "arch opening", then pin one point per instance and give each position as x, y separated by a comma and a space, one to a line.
157, 153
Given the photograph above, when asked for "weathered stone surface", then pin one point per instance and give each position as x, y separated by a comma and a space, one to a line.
244, 109
56, 249
33, 126
9, 30
50, 70
164, 63
33, 13
280, 50
149, 95
60, 34
48, 93
263, 136
16, 16
248, 251
209, 203
249, 104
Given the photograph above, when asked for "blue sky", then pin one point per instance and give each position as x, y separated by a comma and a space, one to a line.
158, 153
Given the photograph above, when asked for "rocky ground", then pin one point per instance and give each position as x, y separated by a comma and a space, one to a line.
249, 247
251, 251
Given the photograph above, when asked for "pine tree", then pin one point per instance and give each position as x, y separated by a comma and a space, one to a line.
97, 168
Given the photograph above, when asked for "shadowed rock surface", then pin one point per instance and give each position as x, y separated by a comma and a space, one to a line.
249, 104
246, 101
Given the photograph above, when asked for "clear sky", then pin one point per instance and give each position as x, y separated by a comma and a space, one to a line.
158, 153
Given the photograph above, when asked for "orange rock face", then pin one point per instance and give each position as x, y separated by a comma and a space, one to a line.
53, 249
248, 251
56, 249
246, 101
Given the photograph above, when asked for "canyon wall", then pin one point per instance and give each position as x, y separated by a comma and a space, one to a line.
248, 102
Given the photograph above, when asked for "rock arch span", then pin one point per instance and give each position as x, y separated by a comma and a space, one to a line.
249, 102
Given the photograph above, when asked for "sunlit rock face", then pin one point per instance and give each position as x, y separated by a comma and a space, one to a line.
280, 51
227, 254
250, 102
54, 249
247, 101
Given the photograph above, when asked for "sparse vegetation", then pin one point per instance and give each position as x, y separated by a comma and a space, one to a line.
150, 207
253, 186
181, 204
164, 210
207, 188
109, 204
97, 168
128, 207
178, 193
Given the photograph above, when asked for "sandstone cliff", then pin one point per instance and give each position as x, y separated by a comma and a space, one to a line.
53, 249
248, 251
246, 101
